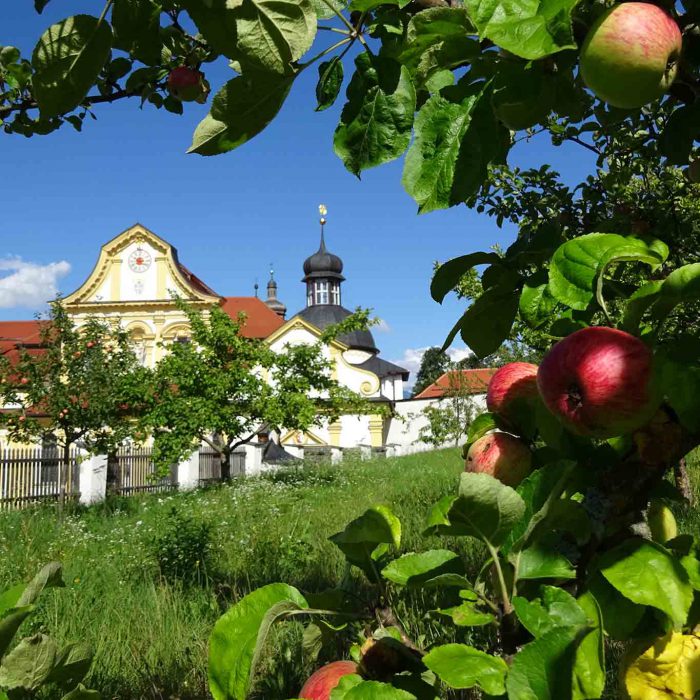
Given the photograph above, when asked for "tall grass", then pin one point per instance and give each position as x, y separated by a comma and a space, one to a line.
149, 631
148, 577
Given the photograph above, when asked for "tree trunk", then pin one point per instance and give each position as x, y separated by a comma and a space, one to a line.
226, 465
682, 480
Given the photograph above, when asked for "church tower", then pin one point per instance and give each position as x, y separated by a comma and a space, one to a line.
272, 301
323, 275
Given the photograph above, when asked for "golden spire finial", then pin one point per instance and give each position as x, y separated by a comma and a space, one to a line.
322, 211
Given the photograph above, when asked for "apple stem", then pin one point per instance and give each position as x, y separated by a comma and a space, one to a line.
507, 607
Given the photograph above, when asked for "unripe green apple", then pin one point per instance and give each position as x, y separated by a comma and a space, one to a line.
661, 521
630, 54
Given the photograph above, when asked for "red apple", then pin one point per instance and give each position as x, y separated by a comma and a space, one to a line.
188, 84
599, 382
24, 380
321, 683
630, 54
512, 386
501, 455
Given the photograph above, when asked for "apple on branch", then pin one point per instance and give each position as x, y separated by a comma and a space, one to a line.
600, 382
502, 456
512, 388
630, 55
321, 683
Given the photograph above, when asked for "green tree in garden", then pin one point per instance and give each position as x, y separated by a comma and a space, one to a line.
449, 420
607, 274
223, 388
433, 364
79, 385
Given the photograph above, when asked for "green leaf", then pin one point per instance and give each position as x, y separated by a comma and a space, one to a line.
462, 666
414, 569
29, 664
647, 574
620, 615
681, 286
536, 491
10, 598
456, 138
485, 508
523, 94
482, 424
541, 670
680, 132
541, 560
488, 321
330, 80
375, 125
67, 61
578, 263
345, 684
239, 635
467, 615
49, 577
681, 382
556, 608
436, 40
367, 538
531, 29
536, 303
374, 690
216, 20
639, 303
82, 693
448, 275
136, 25
271, 34
71, 666
10, 623
323, 11
589, 665
239, 111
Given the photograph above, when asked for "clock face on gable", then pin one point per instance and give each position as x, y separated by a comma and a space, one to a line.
139, 260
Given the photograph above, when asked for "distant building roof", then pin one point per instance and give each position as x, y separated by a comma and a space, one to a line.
260, 321
324, 315
14, 334
382, 368
470, 381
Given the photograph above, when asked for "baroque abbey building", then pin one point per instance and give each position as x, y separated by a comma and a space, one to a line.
138, 275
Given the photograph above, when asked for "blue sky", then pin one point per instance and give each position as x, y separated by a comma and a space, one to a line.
230, 216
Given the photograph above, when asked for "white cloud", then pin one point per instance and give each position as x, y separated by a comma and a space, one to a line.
382, 326
28, 284
412, 358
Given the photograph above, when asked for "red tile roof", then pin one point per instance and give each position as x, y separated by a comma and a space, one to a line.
260, 321
15, 333
470, 381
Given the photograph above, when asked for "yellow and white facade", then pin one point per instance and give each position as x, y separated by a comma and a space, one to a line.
138, 276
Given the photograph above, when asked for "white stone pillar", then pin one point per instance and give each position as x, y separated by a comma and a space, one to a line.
365, 452
336, 455
188, 473
253, 459
93, 479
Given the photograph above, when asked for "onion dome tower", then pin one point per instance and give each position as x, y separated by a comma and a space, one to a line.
323, 275
272, 301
